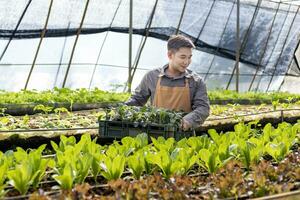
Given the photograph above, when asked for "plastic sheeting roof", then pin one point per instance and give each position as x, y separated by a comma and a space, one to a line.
269, 30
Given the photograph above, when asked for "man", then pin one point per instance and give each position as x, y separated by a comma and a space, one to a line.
174, 86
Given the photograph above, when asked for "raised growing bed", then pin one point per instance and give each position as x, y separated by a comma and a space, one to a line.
227, 123
52, 125
23, 109
228, 184
249, 101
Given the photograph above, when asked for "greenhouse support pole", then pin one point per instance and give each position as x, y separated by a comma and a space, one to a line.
181, 17
130, 48
205, 21
61, 55
74, 46
143, 42
237, 50
283, 48
237, 44
39, 45
219, 43
273, 49
15, 30
264, 49
102, 45
245, 37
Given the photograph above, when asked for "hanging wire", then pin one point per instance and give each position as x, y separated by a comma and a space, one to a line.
143, 42
130, 30
102, 45
205, 21
61, 56
78, 64
289, 2
64, 45
282, 49
140, 68
238, 45
148, 26
181, 17
264, 48
219, 44
39, 45
281, 84
289, 67
74, 45
249, 29
15, 30
268, 60
298, 48
244, 42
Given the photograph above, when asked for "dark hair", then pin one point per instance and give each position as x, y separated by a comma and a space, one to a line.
175, 42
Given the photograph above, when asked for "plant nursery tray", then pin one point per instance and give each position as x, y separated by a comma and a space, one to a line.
120, 129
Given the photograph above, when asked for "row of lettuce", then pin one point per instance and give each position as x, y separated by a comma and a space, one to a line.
74, 161
62, 118
83, 95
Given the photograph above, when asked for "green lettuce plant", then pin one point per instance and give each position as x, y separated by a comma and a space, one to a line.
3, 175
22, 177
67, 178
43, 108
278, 151
112, 168
136, 164
83, 166
210, 161
187, 158
250, 152
64, 142
164, 144
200, 142
164, 161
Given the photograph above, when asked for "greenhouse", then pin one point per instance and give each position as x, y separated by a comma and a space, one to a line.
149, 99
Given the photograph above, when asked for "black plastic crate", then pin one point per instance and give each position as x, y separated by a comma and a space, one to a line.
120, 129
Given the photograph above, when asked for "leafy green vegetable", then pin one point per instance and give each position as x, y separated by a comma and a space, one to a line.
209, 160
22, 177
66, 179
136, 164
164, 144
112, 168
165, 162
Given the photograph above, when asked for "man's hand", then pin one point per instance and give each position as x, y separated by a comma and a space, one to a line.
185, 125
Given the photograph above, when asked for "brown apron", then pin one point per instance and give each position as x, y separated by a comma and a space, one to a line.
173, 98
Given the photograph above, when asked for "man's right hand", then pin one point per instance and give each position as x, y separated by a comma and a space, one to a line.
185, 125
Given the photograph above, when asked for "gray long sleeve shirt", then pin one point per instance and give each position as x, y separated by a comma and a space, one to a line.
198, 93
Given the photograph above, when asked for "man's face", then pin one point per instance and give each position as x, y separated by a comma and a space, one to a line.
180, 59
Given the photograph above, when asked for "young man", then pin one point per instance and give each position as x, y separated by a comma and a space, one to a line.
174, 86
